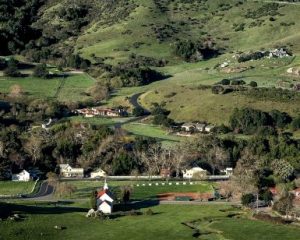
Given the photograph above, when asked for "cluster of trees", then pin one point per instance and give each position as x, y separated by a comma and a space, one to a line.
16, 17
192, 51
268, 9
160, 115
249, 121
275, 94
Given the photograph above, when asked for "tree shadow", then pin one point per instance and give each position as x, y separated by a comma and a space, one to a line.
138, 205
7, 209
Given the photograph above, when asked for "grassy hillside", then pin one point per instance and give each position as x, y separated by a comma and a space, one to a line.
154, 26
211, 222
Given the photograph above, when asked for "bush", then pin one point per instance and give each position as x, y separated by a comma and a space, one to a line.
138, 111
225, 82
149, 212
12, 69
296, 123
41, 71
253, 84
247, 199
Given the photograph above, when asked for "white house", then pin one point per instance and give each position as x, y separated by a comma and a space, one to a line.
22, 176
208, 128
67, 171
195, 172
105, 200
188, 127
227, 171
99, 173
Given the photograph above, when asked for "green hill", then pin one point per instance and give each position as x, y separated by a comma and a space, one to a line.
110, 32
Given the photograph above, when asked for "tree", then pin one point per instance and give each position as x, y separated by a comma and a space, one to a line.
99, 92
285, 204
253, 84
126, 192
138, 111
41, 71
12, 68
179, 157
282, 169
52, 178
5, 169
247, 199
93, 200
34, 147
63, 189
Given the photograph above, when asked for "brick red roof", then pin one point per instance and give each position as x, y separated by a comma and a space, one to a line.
101, 193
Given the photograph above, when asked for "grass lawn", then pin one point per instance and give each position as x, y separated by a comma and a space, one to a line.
165, 224
70, 89
84, 188
151, 131
12, 188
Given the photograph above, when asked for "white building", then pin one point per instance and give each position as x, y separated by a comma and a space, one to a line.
99, 173
227, 171
23, 176
195, 172
105, 200
208, 128
67, 171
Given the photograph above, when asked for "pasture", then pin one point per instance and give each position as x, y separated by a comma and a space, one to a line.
84, 188
167, 222
69, 89
13, 188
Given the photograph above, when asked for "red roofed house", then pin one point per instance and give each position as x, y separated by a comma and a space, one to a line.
105, 200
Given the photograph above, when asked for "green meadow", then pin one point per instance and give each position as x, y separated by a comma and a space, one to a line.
167, 222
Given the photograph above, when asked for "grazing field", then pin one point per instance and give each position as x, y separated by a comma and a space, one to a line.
84, 188
190, 20
69, 89
151, 131
192, 103
12, 188
212, 222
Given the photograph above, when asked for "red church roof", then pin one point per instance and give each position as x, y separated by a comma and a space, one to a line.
101, 193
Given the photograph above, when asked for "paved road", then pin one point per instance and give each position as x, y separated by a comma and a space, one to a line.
134, 101
46, 191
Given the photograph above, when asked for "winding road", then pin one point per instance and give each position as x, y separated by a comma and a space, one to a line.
45, 192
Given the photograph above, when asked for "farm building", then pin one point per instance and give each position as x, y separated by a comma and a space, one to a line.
197, 127
195, 172
98, 173
104, 112
67, 171
227, 171
188, 127
23, 176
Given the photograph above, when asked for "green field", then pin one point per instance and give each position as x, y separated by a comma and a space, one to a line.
12, 188
211, 222
209, 18
84, 188
151, 131
69, 89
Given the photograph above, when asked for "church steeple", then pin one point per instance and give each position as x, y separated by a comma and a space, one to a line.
105, 187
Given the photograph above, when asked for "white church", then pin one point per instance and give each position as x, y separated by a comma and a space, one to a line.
105, 200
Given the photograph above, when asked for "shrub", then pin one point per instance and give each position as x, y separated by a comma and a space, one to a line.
138, 111
225, 82
149, 212
12, 69
247, 199
253, 84
296, 123
41, 71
